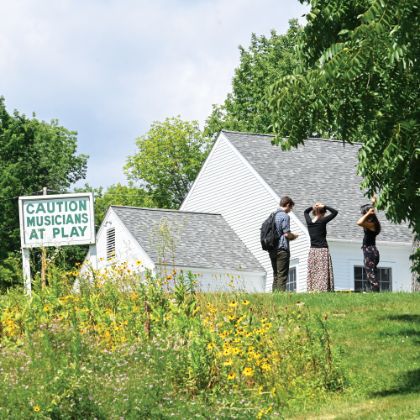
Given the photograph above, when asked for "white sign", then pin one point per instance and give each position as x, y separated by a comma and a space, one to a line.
56, 220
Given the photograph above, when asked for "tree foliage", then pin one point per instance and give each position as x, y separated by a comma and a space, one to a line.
168, 159
247, 107
360, 82
33, 154
117, 195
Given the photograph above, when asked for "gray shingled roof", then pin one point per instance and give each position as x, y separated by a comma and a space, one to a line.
321, 170
201, 240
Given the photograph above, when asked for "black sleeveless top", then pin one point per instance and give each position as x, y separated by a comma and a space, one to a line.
370, 238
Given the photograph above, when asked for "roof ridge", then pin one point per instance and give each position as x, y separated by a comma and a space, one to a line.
249, 133
164, 210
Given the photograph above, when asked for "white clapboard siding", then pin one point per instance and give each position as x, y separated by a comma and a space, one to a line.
228, 185
213, 280
127, 249
346, 255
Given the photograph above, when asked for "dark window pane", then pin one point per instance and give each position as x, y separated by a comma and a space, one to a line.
291, 280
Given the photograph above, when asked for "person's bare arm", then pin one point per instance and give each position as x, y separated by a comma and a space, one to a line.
291, 236
363, 222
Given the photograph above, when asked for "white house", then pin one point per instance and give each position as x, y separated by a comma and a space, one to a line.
244, 177
164, 240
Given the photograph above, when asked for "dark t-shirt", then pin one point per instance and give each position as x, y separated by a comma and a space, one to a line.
369, 238
318, 229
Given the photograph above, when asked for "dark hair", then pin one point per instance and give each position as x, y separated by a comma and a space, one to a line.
319, 211
373, 218
365, 208
286, 201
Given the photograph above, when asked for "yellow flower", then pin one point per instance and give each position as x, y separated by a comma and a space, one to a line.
245, 302
37, 408
210, 346
266, 367
264, 412
223, 334
138, 262
231, 376
248, 371
134, 295
228, 362
233, 304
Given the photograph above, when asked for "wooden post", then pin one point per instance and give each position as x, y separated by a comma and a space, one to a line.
44, 257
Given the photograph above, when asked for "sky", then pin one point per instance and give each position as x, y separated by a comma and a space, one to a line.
109, 68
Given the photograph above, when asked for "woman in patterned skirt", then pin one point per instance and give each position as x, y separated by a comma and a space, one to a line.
320, 272
371, 226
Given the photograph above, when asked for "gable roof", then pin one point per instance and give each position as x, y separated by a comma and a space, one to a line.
187, 239
321, 170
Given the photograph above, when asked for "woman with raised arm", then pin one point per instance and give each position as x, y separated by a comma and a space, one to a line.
371, 227
320, 271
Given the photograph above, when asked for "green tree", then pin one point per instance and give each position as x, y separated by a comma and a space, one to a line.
117, 195
33, 154
266, 60
168, 160
360, 82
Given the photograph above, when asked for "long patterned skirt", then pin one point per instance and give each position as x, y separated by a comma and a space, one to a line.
371, 259
320, 271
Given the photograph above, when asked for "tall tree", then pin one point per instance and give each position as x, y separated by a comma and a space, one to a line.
360, 82
267, 59
117, 195
33, 154
168, 159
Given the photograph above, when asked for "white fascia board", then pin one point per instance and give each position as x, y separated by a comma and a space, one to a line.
127, 231
359, 242
213, 270
212, 151
264, 183
101, 228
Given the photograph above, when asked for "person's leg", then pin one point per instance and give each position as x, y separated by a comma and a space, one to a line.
273, 259
330, 274
311, 270
283, 260
370, 267
375, 252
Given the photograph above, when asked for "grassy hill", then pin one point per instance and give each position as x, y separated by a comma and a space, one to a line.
379, 336
111, 354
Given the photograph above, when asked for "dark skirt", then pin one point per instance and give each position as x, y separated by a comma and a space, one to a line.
320, 271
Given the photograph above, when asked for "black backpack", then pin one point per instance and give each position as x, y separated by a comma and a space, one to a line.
269, 236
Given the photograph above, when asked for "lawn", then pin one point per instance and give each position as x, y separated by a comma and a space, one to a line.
103, 355
379, 336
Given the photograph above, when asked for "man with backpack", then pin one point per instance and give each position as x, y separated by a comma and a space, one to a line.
280, 256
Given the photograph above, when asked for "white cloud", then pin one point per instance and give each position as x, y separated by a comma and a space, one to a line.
109, 68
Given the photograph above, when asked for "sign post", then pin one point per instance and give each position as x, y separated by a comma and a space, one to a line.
44, 256
54, 220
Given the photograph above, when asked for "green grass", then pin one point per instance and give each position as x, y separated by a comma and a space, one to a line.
379, 337
376, 336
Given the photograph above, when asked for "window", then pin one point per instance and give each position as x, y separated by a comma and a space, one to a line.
291, 280
110, 243
384, 276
